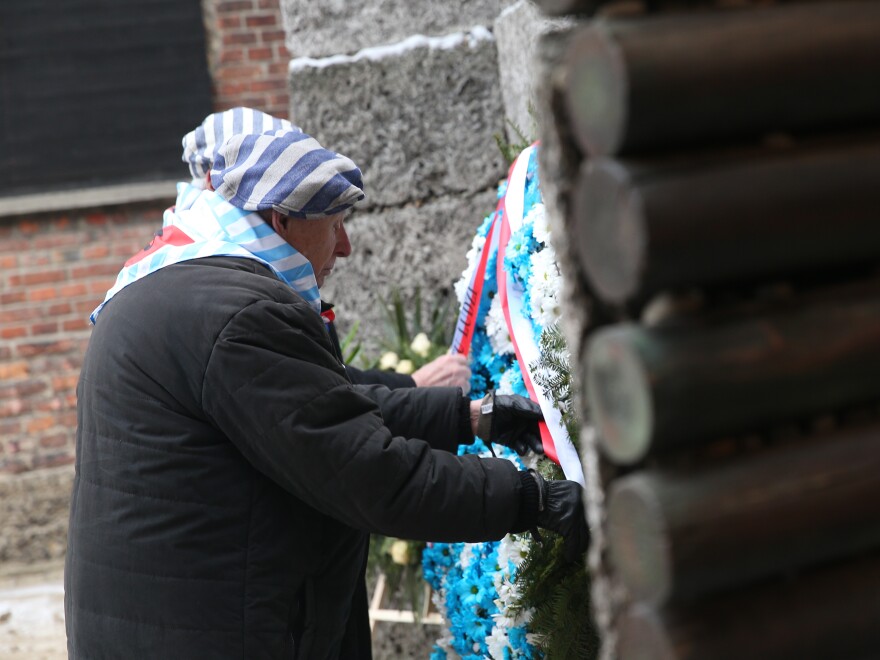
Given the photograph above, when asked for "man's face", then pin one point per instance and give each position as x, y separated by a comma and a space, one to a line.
320, 241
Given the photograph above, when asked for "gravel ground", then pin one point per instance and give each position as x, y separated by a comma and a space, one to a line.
32, 620
32, 614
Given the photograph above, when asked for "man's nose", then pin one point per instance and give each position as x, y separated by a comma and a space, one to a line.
343, 246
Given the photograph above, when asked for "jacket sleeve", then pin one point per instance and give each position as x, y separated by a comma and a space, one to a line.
273, 387
389, 379
438, 415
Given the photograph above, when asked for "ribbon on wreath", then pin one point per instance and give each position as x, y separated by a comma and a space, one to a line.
507, 219
470, 306
557, 445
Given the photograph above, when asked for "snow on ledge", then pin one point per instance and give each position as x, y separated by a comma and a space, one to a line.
472, 37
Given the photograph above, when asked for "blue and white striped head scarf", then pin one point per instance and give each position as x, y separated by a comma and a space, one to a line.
299, 178
200, 145
287, 171
213, 227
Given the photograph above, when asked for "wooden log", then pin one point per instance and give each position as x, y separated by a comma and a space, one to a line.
711, 77
726, 218
654, 390
677, 535
828, 613
633, 7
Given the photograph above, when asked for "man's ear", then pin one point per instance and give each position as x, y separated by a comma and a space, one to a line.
278, 221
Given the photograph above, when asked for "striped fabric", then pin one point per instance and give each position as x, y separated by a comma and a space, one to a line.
201, 144
213, 227
287, 171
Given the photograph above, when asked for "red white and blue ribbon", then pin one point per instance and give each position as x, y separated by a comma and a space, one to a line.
557, 444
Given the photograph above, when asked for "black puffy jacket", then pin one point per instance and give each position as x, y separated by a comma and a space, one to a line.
223, 457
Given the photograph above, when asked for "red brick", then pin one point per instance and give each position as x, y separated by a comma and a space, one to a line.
28, 227
232, 55
278, 69
66, 382
47, 328
13, 332
12, 297
98, 288
43, 277
67, 419
75, 325
10, 261
95, 270
263, 86
13, 370
228, 21
268, 4
230, 89
268, 36
59, 309
56, 241
239, 38
48, 293
45, 348
9, 428
240, 72
22, 389
259, 54
20, 314
261, 20
54, 441
95, 252
13, 408
40, 424
73, 290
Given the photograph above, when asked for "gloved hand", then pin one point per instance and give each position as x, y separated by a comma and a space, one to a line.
511, 420
561, 510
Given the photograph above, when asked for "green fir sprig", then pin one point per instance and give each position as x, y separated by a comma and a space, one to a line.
558, 591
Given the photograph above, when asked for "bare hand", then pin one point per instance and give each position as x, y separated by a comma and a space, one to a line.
449, 370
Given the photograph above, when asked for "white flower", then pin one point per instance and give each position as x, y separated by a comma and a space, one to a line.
421, 345
544, 284
473, 257
496, 328
400, 552
405, 367
537, 217
389, 360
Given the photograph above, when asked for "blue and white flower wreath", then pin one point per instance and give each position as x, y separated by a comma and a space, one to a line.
475, 584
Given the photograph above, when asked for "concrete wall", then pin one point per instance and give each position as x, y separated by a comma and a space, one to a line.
416, 94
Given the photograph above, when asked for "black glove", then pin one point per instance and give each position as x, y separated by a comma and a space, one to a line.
561, 510
511, 420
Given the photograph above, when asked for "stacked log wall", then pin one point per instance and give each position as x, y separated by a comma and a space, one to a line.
713, 167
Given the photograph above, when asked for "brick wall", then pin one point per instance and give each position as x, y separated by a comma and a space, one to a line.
54, 270
247, 55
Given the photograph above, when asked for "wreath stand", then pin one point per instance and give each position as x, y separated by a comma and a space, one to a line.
427, 616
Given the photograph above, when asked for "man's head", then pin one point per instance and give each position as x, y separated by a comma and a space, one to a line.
301, 190
200, 145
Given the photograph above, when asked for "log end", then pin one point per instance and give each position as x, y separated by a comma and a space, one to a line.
618, 395
611, 233
637, 539
595, 92
643, 637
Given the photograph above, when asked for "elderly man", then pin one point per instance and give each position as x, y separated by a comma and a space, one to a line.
199, 148
223, 456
